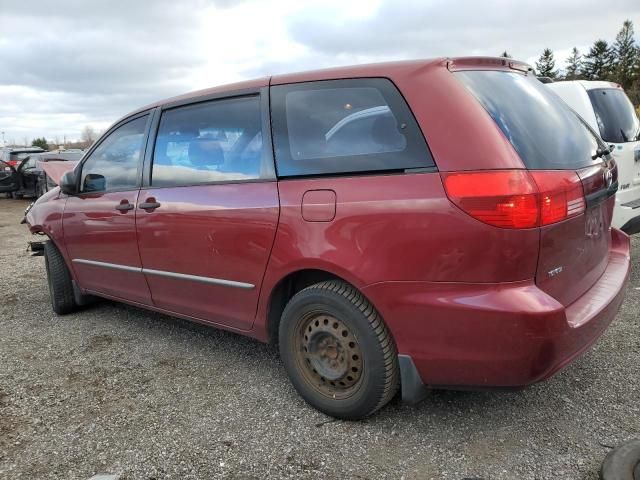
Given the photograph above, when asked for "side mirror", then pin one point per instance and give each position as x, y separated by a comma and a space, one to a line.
94, 182
68, 183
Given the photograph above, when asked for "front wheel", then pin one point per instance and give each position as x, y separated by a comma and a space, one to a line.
60, 283
338, 351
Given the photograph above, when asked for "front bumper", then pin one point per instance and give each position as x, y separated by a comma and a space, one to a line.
626, 213
495, 335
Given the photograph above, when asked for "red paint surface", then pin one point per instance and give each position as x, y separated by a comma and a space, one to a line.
95, 230
471, 303
215, 231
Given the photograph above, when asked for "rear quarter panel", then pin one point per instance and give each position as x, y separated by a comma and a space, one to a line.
393, 228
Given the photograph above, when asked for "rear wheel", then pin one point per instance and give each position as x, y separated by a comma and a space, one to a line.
60, 283
337, 351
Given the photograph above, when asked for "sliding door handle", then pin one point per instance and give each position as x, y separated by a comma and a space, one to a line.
124, 206
150, 204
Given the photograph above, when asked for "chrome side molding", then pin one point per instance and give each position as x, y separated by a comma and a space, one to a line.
161, 273
113, 266
196, 278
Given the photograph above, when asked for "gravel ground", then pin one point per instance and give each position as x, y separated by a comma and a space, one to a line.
115, 389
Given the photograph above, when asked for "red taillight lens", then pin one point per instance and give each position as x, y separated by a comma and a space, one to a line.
516, 198
561, 195
12, 163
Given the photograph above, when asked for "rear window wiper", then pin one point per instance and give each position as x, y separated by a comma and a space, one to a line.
600, 153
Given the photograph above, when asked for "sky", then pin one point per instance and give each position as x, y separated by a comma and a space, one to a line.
66, 64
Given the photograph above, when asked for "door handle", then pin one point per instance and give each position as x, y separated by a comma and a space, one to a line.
124, 206
150, 204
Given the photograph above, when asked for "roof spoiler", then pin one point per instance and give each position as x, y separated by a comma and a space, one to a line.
487, 63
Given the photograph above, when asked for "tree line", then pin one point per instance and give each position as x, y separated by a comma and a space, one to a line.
616, 62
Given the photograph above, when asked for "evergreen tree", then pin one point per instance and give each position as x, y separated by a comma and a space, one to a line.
627, 56
574, 65
505, 54
546, 65
598, 63
40, 142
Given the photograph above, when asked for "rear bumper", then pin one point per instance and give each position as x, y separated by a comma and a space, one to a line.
495, 335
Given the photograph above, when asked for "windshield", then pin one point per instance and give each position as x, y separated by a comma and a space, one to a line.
615, 116
544, 131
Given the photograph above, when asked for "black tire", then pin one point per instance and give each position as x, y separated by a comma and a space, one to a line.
60, 283
622, 463
330, 334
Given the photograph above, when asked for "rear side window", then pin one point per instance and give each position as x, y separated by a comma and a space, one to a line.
545, 132
209, 142
615, 116
343, 126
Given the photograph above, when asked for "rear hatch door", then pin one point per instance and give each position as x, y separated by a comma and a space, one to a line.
555, 143
620, 128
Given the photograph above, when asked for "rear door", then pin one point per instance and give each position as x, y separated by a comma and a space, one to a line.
563, 155
207, 218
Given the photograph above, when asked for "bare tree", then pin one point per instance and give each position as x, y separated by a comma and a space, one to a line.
88, 135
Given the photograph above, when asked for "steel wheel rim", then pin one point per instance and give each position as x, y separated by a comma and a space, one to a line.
329, 355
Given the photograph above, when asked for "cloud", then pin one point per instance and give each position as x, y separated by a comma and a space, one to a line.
70, 63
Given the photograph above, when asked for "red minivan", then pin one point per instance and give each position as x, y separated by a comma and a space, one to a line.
426, 224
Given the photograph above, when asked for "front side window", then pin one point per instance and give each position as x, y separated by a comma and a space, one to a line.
616, 119
114, 164
342, 126
214, 141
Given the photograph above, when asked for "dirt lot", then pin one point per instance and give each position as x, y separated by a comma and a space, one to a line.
120, 390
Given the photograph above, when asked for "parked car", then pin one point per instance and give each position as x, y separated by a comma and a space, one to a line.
27, 178
608, 110
422, 224
10, 160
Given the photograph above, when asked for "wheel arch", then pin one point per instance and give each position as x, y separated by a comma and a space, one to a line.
290, 284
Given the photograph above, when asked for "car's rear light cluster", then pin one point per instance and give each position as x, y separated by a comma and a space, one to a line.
517, 198
12, 163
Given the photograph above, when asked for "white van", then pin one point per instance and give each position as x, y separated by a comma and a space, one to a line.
607, 109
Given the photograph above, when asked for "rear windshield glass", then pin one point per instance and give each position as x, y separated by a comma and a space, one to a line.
23, 154
545, 132
615, 116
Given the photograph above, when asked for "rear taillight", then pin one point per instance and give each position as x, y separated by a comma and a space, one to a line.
12, 163
516, 198
561, 195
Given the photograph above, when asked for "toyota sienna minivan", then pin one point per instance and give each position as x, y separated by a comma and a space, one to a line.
415, 225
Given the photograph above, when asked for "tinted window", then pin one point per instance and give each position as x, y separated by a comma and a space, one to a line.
545, 132
210, 142
342, 126
615, 116
114, 164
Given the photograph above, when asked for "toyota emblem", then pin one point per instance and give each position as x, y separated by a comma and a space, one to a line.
608, 178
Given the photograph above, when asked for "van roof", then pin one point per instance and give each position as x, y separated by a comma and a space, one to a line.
383, 69
589, 84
